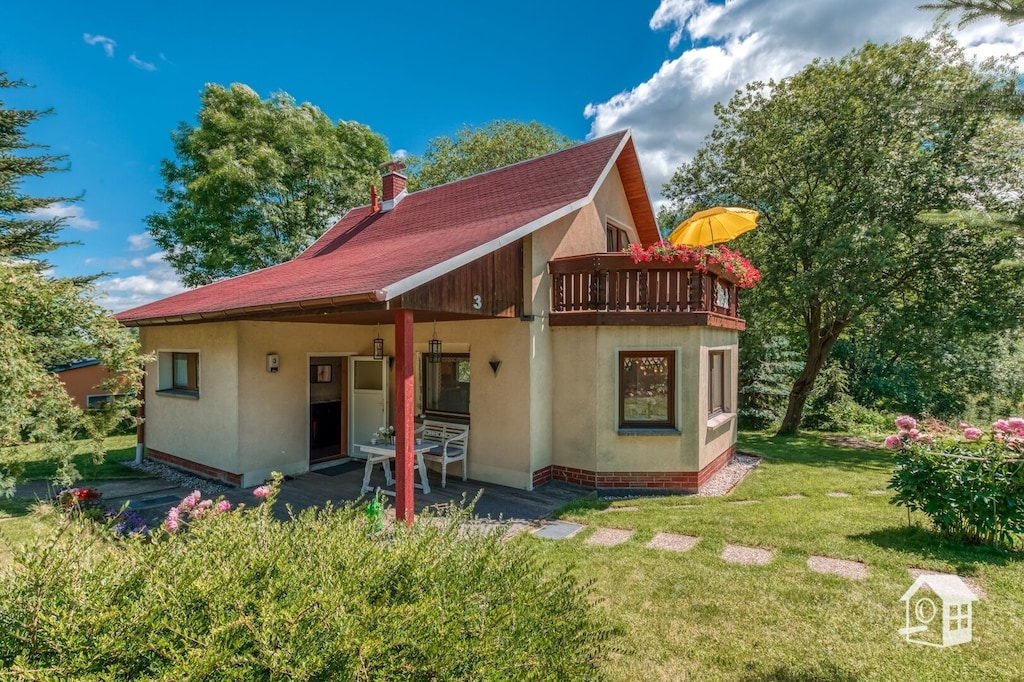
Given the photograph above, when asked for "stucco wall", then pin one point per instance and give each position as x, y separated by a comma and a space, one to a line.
274, 414
586, 433
580, 233
203, 430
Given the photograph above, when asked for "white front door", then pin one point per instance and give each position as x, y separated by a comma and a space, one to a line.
368, 379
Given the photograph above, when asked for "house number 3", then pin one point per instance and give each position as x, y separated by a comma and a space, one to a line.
478, 302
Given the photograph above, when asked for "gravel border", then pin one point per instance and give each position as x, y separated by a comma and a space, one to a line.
178, 477
726, 478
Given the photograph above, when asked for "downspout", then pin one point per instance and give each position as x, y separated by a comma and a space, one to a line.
140, 428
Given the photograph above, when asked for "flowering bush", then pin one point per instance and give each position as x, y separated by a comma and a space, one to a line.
969, 483
194, 507
701, 257
86, 503
244, 595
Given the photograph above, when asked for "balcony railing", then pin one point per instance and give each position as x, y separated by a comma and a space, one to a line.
609, 288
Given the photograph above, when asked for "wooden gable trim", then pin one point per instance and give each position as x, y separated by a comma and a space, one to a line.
490, 286
636, 194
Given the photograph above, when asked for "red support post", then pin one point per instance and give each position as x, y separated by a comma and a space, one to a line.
405, 405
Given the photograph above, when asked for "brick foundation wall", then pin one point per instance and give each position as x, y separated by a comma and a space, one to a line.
195, 467
666, 480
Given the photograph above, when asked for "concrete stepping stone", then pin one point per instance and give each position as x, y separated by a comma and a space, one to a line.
853, 570
838, 493
673, 542
878, 492
558, 530
619, 509
794, 496
609, 537
744, 502
751, 556
972, 583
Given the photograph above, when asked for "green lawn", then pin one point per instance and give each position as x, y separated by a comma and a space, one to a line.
693, 616
21, 520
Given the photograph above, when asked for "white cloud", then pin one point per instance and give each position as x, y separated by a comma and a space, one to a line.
74, 216
156, 282
746, 40
145, 66
108, 43
400, 154
139, 242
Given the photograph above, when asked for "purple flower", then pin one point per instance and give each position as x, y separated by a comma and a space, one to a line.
223, 506
1001, 425
972, 433
262, 491
893, 442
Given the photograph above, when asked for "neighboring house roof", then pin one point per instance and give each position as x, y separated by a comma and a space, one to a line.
948, 587
75, 364
375, 257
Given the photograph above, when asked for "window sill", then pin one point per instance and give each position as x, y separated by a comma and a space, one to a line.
719, 419
648, 431
179, 393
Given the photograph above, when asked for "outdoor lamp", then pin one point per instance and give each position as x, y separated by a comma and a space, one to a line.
434, 348
378, 346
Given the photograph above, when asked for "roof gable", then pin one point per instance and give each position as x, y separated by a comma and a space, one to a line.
376, 256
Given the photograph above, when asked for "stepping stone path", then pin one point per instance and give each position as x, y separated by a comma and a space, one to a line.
795, 496
854, 570
751, 556
839, 494
744, 501
619, 509
916, 573
673, 542
558, 530
609, 537
878, 492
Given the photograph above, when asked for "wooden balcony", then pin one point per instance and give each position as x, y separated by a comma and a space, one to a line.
610, 289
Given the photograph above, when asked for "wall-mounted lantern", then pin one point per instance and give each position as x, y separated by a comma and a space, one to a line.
378, 346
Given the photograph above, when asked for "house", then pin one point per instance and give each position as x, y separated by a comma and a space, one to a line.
570, 361
955, 606
84, 381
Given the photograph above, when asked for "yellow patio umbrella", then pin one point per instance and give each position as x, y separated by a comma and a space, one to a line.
713, 226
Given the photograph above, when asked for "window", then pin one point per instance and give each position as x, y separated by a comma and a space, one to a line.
716, 383
616, 237
178, 373
647, 381
186, 372
446, 385
98, 400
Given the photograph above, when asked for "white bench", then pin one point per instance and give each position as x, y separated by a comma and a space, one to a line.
452, 444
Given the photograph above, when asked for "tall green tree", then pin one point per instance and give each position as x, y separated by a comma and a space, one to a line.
1009, 11
848, 161
476, 150
46, 320
257, 181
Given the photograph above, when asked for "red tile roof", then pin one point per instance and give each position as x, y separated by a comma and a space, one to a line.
375, 257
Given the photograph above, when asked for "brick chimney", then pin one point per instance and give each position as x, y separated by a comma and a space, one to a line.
394, 184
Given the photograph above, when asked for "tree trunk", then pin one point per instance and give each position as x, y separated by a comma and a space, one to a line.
819, 346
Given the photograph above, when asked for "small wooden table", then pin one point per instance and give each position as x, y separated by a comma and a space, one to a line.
383, 453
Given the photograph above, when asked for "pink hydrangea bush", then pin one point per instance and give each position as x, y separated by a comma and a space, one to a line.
969, 482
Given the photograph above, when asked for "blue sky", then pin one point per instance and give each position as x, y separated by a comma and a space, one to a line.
121, 76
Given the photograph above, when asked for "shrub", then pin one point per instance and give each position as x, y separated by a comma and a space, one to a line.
970, 486
239, 595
